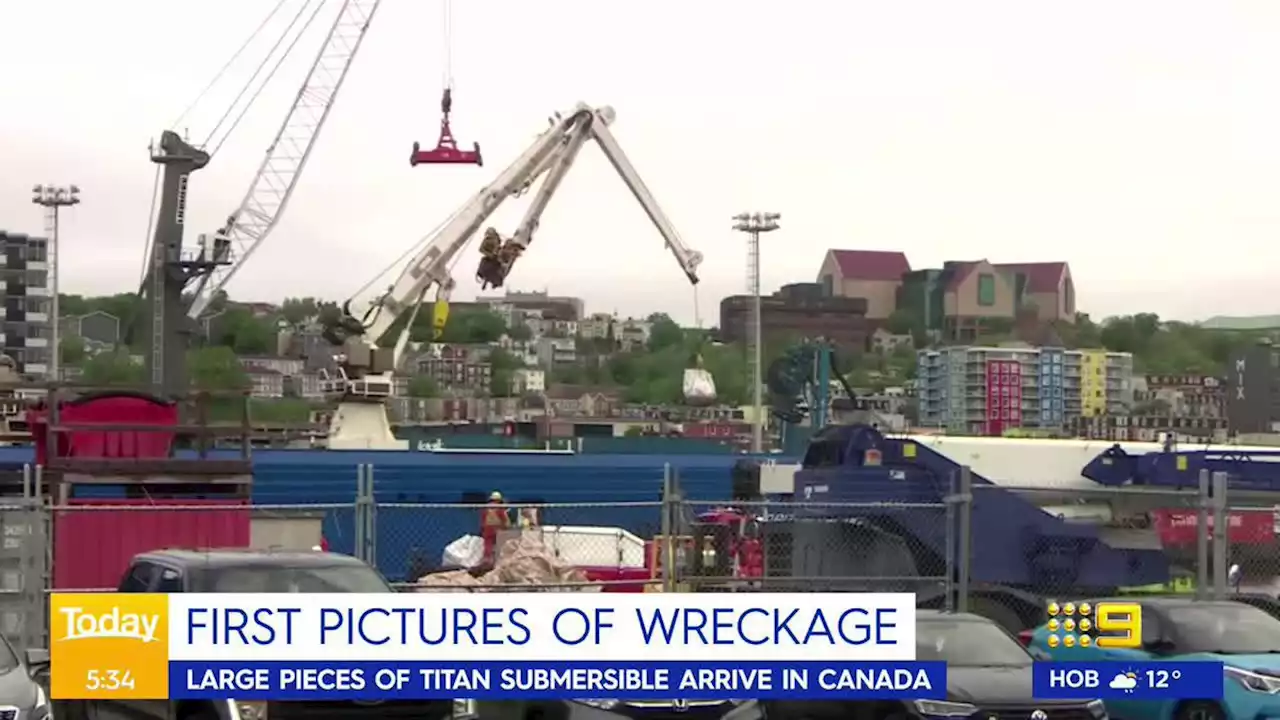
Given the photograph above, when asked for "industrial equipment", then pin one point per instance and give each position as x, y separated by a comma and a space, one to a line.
364, 376
446, 151
174, 274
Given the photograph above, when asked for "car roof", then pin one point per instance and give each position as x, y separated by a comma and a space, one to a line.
1167, 601
939, 616
241, 557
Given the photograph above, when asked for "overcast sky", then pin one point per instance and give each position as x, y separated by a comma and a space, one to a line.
1138, 140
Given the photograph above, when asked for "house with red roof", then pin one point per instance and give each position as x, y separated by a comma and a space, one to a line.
964, 298
874, 275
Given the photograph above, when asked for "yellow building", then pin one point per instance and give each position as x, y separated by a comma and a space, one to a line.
1093, 382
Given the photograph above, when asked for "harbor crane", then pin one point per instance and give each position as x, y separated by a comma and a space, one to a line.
364, 377
180, 282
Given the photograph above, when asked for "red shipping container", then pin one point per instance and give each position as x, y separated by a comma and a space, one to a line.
92, 547
1247, 527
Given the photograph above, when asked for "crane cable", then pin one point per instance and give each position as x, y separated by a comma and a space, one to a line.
447, 61
227, 66
270, 75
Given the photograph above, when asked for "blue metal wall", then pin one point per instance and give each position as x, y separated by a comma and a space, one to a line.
316, 477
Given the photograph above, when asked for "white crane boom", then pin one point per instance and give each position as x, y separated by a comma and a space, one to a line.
365, 371
269, 193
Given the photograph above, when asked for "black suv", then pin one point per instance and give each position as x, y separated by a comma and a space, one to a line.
248, 571
988, 676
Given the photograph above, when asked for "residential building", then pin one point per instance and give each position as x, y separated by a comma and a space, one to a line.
565, 400
800, 310
632, 334
280, 377
991, 390
1180, 396
556, 351
526, 351
872, 275
99, 330
964, 299
529, 381
884, 342
1253, 389
542, 326
553, 306
597, 326
457, 368
25, 288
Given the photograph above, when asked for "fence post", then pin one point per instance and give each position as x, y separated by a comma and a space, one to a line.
1220, 523
952, 520
369, 540
357, 514
667, 551
1202, 537
964, 530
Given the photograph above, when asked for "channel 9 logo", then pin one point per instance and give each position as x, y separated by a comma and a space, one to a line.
1106, 625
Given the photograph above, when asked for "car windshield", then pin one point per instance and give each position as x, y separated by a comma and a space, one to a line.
968, 643
8, 659
311, 579
1233, 628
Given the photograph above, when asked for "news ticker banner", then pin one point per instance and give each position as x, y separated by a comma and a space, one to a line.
141, 646
624, 646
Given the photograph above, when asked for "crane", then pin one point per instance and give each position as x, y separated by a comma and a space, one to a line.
181, 283
364, 376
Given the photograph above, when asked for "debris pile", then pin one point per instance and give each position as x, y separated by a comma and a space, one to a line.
522, 561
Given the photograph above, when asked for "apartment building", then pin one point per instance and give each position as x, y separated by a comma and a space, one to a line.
990, 390
24, 284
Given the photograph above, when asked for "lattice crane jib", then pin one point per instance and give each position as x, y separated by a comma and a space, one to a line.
173, 275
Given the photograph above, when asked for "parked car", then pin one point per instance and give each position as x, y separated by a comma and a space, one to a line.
988, 676
250, 571
1239, 635
23, 682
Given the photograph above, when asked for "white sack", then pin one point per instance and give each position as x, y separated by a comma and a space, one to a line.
465, 552
699, 387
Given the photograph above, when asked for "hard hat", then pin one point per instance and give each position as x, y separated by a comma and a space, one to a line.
495, 495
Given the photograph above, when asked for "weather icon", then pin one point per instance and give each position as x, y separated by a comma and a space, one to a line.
1127, 682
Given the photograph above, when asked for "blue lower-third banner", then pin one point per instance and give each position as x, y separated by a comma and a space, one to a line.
1129, 680
396, 680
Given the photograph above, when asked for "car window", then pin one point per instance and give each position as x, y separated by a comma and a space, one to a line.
968, 643
1152, 627
8, 658
320, 579
170, 581
1230, 628
138, 579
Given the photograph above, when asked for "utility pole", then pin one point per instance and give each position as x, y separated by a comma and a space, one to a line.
53, 198
753, 224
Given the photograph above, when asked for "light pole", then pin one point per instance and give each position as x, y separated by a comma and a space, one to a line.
53, 198
753, 224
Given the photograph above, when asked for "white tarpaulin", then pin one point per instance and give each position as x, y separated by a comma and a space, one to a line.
699, 387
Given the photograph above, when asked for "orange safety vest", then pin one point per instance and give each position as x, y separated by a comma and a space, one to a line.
494, 518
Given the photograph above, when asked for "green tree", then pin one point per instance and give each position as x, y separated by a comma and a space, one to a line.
216, 368
238, 329
297, 311
422, 386
474, 326
71, 350
520, 332
664, 332
112, 368
502, 368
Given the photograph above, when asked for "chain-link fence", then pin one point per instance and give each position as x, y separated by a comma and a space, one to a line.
966, 545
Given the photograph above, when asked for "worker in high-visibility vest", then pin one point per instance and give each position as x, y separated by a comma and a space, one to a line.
493, 520
528, 517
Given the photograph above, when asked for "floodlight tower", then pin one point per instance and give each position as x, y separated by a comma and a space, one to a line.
753, 224
53, 198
